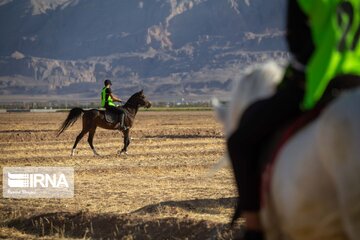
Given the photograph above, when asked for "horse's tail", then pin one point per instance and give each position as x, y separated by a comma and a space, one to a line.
73, 116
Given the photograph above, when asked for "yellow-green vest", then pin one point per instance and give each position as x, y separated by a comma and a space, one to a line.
335, 28
109, 100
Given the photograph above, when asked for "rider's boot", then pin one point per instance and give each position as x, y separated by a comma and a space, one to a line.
121, 125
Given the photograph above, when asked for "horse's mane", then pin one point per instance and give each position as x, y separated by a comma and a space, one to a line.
131, 99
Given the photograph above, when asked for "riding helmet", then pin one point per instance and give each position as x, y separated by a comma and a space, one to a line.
107, 82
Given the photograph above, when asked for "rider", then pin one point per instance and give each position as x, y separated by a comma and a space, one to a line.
323, 38
107, 101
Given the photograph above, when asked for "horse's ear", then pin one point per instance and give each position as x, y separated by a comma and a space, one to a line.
142, 91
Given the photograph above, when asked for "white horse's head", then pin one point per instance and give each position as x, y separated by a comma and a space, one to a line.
258, 82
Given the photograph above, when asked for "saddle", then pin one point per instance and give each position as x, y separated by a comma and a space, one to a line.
112, 116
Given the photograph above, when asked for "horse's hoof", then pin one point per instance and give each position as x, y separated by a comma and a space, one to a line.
95, 153
72, 153
122, 152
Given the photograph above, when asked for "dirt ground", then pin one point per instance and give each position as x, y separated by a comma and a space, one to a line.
161, 190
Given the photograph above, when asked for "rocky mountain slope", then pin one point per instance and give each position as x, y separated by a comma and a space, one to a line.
171, 48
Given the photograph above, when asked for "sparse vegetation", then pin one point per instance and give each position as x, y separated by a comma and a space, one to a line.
161, 190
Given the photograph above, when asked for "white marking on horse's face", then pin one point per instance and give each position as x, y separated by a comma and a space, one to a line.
258, 82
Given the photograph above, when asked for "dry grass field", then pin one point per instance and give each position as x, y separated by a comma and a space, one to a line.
161, 190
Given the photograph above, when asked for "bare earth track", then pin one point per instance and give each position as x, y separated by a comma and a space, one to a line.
161, 190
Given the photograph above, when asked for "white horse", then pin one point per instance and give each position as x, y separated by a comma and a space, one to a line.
315, 187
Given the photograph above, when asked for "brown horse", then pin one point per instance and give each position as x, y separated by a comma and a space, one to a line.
94, 118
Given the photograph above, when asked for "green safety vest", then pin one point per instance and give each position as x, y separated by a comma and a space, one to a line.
104, 100
335, 28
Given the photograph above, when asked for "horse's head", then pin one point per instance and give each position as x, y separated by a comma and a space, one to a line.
258, 82
139, 100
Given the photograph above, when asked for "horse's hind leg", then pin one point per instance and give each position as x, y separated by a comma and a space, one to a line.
90, 140
78, 138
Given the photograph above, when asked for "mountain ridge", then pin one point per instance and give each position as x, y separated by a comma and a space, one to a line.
185, 48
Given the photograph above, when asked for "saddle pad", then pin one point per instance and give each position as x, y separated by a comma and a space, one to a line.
112, 116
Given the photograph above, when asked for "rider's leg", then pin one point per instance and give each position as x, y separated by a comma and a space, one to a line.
122, 120
259, 121
120, 124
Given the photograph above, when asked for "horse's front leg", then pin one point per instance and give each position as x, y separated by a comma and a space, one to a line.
126, 142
